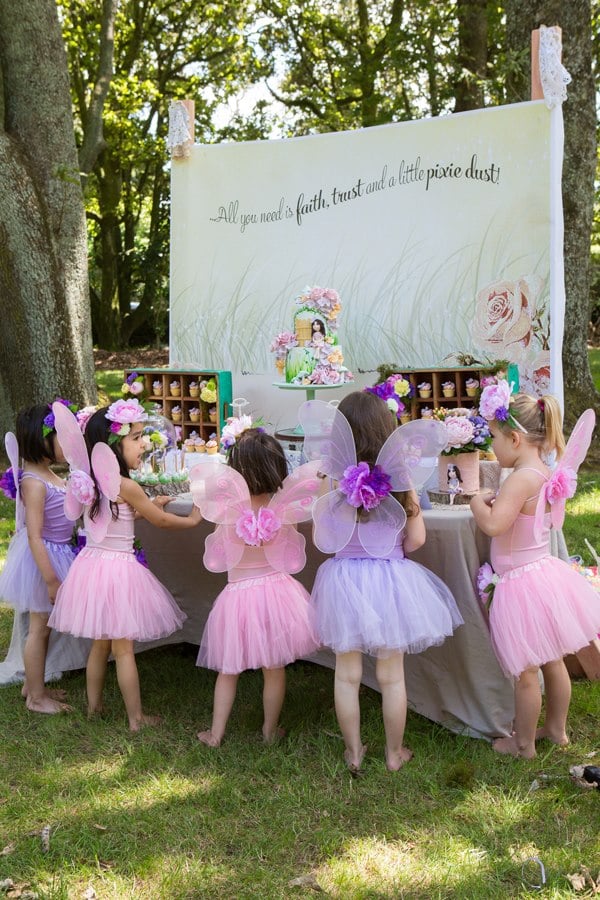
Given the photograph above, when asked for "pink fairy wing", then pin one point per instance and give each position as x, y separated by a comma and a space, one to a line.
219, 492
562, 482
222, 549
334, 520
286, 552
328, 437
12, 451
108, 478
379, 533
294, 501
73, 446
410, 454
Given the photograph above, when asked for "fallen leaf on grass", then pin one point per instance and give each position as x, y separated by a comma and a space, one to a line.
89, 894
305, 881
10, 848
100, 827
580, 880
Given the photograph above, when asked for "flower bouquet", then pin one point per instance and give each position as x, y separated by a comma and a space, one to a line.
396, 390
209, 391
133, 384
467, 433
280, 346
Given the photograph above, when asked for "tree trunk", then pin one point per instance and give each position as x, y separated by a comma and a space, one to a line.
579, 166
472, 54
45, 341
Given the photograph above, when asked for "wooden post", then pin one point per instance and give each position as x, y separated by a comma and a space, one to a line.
537, 91
180, 110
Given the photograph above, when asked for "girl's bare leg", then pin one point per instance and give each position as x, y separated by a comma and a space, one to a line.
528, 705
273, 697
225, 690
557, 685
390, 676
129, 684
348, 672
95, 675
37, 697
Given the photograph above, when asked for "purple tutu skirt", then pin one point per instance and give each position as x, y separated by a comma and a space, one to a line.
21, 582
382, 606
262, 622
109, 595
540, 612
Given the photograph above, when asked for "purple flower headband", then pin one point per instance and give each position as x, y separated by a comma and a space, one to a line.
8, 486
122, 415
48, 426
364, 486
495, 404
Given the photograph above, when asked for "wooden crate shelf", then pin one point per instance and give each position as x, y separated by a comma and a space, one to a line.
183, 378
436, 377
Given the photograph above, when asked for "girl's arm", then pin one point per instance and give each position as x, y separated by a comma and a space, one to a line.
414, 530
494, 517
133, 494
34, 498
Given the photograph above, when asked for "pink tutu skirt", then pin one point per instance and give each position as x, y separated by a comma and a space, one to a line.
540, 612
258, 623
382, 606
21, 582
109, 595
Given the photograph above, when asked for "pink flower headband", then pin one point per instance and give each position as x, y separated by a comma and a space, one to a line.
122, 414
494, 404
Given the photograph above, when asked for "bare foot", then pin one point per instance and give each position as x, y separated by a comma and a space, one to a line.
544, 732
55, 693
47, 704
354, 762
395, 761
96, 711
208, 738
145, 721
509, 745
277, 735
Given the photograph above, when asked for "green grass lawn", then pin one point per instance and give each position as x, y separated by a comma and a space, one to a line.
157, 815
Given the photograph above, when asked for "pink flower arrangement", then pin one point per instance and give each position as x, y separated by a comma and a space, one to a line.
82, 487
561, 485
255, 529
282, 343
126, 412
486, 583
459, 432
84, 415
495, 401
364, 486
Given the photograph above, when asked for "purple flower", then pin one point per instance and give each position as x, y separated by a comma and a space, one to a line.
131, 378
140, 554
365, 487
7, 483
78, 542
501, 414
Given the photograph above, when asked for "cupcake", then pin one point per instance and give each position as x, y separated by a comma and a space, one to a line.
176, 414
212, 447
404, 418
471, 385
194, 389
424, 389
189, 446
448, 388
157, 388
212, 413
426, 412
199, 445
175, 389
194, 414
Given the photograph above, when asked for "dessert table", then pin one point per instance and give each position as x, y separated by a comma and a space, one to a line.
459, 684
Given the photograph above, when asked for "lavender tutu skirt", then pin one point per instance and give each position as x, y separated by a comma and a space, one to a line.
540, 612
382, 606
110, 595
262, 622
21, 582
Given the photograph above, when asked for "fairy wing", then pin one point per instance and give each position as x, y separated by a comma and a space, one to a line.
12, 451
562, 483
334, 521
379, 533
73, 446
222, 496
293, 503
328, 437
410, 454
108, 478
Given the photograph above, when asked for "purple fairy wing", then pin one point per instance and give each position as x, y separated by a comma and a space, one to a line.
328, 437
12, 451
379, 533
73, 446
286, 552
562, 482
410, 454
219, 492
334, 522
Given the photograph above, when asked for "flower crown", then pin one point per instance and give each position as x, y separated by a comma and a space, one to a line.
235, 427
48, 426
122, 414
494, 404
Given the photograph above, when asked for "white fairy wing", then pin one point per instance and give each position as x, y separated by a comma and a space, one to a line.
73, 446
562, 482
328, 437
410, 454
334, 520
219, 492
12, 451
378, 534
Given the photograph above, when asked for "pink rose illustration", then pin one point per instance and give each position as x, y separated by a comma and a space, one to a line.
536, 375
504, 314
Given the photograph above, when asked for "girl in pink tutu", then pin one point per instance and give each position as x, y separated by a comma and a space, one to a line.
108, 595
40, 553
541, 609
261, 619
369, 598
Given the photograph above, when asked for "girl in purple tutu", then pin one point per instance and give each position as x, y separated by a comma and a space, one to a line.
261, 620
108, 595
541, 609
40, 553
369, 598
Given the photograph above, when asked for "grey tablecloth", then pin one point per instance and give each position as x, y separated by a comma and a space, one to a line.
458, 684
